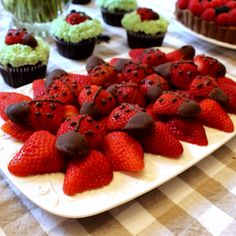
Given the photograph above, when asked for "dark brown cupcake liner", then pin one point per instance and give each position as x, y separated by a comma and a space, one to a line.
81, 1
112, 17
19, 76
76, 51
142, 40
206, 28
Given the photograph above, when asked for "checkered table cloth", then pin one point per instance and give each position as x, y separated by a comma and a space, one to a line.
200, 201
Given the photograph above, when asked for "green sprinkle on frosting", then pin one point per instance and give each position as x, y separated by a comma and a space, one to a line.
132, 22
75, 33
18, 55
111, 5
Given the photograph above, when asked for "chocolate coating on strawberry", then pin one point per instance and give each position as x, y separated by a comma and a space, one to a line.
18, 113
120, 63
154, 92
163, 69
189, 108
218, 95
90, 109
29, 40
73, 144
93, 61
140, 121
55, 74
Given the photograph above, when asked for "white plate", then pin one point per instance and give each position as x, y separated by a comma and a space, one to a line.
46, 190
207, 39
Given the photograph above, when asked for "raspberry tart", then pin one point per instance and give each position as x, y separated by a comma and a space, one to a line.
145, 28
215, 19
76, 34
23, 57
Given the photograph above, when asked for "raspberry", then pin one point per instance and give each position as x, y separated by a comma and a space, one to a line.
182, 4
222, 19
195, 7
208, 14
232, 18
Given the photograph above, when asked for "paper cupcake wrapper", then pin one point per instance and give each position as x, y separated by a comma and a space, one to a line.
81, 1
76, 51
112, 18
19, 76
141, 40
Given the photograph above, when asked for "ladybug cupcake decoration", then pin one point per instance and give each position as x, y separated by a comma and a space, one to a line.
76, 34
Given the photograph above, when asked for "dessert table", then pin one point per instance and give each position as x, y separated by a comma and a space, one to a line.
199, 201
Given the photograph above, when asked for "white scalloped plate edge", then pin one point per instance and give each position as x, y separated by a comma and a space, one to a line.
46, 190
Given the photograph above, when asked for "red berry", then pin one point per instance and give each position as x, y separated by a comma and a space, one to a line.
182, 4
209, 14
75, 18
232, 18
222, 19
195, 7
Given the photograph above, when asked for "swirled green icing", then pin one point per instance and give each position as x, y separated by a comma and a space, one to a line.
18, 55
75, 33
132, 22
112, 5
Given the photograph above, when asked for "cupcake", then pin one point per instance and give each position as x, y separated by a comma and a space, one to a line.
114, 10
76, 34
81, 1
23, 58
145, 28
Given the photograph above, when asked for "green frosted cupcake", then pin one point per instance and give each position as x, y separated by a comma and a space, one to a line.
23, 58
76, 34
145, 28
114, 10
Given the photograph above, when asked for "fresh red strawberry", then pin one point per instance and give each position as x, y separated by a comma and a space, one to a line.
102, 124
95, 101
187, 130
124, 152
182, 73
229, 87
170, 103
91, 172
75, 18
186, 52
129, 117
103, 75
136, 54
182, 4
38, 155
127, 93
147, 14
231, 4
39, 88
161, 141
18, 132
213, 115
209, 66
149, 110
207, 87
15, 36
69, 111
81, 81
9, 98
132, 72
85, 126
153, 86
209, 14
39, 114
195, 7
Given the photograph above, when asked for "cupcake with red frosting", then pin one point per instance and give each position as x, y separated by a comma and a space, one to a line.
76, 34
145, 28
23, 57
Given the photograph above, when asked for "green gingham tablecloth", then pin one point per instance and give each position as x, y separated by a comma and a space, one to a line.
200, 201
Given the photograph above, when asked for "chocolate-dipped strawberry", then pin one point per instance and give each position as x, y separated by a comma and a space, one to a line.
186, 52
40, 114
153, 86
127, 92
129, 117
95, 101
77, 135
92, 62
171, 103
